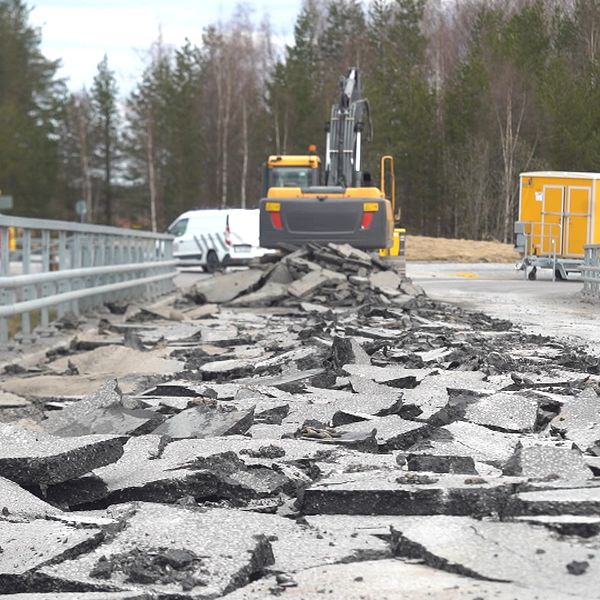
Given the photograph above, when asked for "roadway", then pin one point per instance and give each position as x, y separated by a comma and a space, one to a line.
542, 306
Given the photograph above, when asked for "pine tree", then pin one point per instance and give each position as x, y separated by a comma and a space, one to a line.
31, 103
104, 97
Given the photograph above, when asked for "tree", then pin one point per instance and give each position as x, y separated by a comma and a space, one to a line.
146, 140
78, 140
104, 98
31, 108
404, 106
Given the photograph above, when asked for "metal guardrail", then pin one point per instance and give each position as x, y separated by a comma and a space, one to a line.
590, 272
55, 267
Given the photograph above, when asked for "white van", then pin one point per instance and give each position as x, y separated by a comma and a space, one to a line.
216, 238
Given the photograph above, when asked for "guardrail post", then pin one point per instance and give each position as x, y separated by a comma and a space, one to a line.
4, 251
3, 320
590, 272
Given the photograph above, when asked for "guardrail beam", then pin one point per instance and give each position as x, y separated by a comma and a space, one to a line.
48, 268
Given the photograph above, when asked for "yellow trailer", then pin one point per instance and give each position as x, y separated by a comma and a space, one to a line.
557, 217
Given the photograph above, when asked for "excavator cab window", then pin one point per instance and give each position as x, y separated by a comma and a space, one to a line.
291, 177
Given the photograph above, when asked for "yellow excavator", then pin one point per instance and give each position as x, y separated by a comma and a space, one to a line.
305, 203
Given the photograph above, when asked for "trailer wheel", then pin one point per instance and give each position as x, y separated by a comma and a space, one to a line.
559, 276
212, 262
532, 276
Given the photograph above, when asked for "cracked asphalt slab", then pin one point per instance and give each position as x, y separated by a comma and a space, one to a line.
313, 426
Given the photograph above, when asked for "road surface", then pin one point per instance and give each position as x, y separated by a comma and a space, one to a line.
542, 306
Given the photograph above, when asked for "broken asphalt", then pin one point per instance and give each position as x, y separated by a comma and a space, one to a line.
312, 426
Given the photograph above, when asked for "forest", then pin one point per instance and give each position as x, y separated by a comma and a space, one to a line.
465, 94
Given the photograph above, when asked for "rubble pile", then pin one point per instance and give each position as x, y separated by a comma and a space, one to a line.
332, 275
314, 426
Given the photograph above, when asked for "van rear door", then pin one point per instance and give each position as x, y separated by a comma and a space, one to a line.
244, 228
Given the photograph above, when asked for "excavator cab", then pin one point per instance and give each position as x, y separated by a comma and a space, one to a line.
348, 208
284, 171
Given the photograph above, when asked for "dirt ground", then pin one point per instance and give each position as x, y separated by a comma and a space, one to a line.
420, 248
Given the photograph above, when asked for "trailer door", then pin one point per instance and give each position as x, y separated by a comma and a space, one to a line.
577, 218
552, 220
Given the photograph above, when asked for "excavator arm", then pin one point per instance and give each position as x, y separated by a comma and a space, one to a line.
344, 134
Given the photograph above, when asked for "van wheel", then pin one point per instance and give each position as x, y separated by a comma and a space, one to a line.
532, 275
212, 262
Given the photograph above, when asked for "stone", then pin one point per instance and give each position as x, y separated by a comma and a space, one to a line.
364, 439
582, 525
507, 412
154, 535
545, 461
280, 274
411, 289
227, 368
440, 463
348, 350
311, 307
28, 546
432, 395
385, 281
117, 361
511, 552
572, 501
268, 294
373, 492
467, 439
206, 421
284, 359
389, 580
154, 471
313, 280
201, 312
394, 376
58, 387
80, 492
162, 310
17, 503
579, 421
392, 432
171, 332
324, 406
366, 386
113, 419
101, 412
593, 462
266, 410
219, 334
8, 400
37, 458
224, 288
292, 381
165, 404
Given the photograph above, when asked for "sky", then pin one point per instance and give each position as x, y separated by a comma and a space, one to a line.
80, 32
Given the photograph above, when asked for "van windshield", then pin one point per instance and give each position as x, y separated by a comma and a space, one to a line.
178, 228
290, 177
